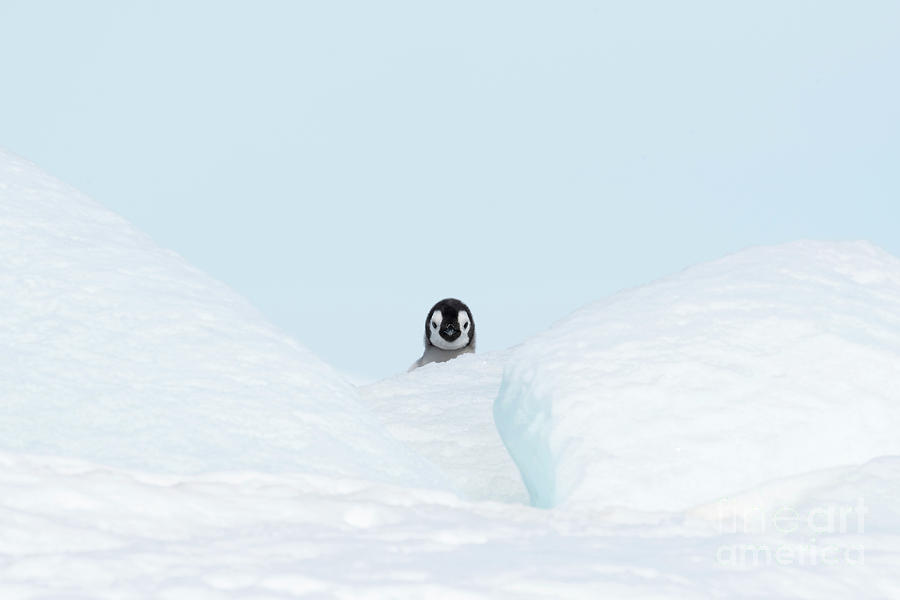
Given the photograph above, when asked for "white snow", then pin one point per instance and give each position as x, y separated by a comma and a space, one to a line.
768, 363
70, 529
720, 434
117, 351
443, 411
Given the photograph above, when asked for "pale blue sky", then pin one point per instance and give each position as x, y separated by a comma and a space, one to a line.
346, 164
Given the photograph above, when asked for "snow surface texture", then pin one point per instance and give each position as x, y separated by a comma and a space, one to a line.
243, 467
443, 412
70, 529
115, 350
767, 363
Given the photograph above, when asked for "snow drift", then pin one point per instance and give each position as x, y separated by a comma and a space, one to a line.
442, 411
767, 363
117, 351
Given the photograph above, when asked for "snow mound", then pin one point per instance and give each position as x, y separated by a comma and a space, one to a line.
768, 363
116, 351
442, 411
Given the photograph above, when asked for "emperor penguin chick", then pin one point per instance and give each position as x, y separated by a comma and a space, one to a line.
449, 332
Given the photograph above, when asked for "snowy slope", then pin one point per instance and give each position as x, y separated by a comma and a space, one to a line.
443, 411
767, 363
115, 350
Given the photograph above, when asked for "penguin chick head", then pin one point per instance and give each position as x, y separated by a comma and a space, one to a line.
449, 325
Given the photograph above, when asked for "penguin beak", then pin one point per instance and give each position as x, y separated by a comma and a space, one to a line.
450, 332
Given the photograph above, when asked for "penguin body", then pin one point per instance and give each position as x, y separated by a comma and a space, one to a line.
449, 332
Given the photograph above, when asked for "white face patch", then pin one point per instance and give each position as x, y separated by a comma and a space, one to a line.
434, 332
436, 319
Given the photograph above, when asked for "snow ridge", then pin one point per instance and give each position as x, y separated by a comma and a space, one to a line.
117, 351
767, 363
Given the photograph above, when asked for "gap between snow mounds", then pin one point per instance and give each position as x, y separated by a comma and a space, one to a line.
768, 363
118, 352
443, 412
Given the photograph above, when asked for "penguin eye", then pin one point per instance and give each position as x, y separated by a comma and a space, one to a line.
434, 325
465, 326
